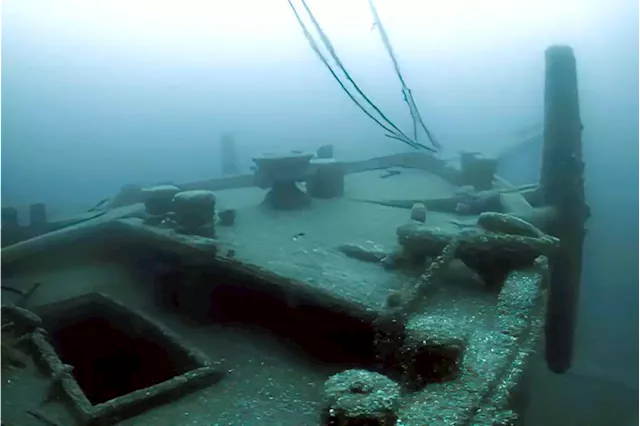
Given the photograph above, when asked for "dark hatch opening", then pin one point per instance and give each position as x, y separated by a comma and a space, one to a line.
112, 355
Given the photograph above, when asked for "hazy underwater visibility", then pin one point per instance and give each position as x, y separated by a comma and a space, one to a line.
325, 213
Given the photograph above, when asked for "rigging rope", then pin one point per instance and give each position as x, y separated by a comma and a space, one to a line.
316, 49
334, 55
408, 96
396, 133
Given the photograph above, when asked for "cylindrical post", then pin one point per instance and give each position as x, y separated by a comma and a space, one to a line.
562, 186
229, 156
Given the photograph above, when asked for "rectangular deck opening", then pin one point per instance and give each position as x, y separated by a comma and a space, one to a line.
123, 362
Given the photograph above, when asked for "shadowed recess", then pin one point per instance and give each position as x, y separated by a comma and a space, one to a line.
112, 355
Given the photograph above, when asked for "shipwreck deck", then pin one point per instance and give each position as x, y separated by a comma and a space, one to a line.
267, 383
303, 245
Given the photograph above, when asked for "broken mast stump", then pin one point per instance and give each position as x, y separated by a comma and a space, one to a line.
562, 184
229, 156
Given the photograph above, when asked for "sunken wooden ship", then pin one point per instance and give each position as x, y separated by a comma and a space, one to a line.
399, 290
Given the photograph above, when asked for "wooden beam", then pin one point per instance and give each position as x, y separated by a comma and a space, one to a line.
562, 186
